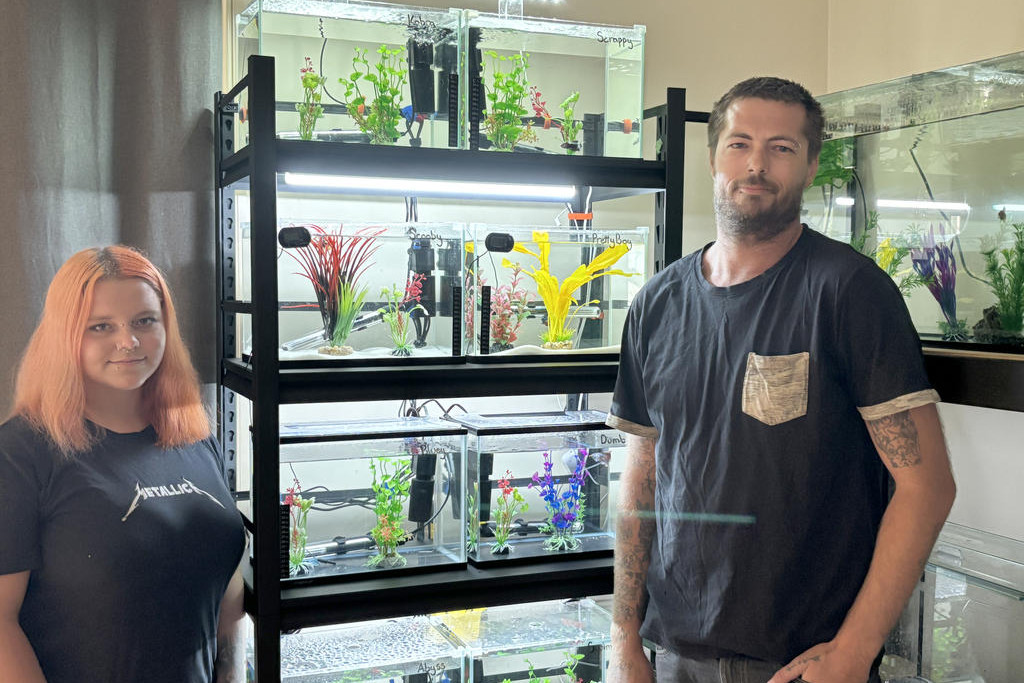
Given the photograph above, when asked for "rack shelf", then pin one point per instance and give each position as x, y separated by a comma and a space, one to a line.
393, 596
299, 156
325, 385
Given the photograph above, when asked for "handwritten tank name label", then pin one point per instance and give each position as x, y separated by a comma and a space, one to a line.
617, 440
621, 41
432, 236
613, 240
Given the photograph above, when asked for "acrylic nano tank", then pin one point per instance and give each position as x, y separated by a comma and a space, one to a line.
354, 71
372, 495
383, 651
965, 620
533, 641
370, 294
921, 174
538, 485
549, 86
558, 291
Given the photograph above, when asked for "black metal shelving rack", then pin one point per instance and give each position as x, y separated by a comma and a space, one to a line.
273, 606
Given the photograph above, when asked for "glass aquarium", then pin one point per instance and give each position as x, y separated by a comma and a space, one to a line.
353, 71
362, 293
965, 621
384, 651
538, 485
920, 174
561, 641
553, 87
372, 495
539, 290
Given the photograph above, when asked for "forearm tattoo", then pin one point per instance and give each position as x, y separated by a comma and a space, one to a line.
896, 438
634, 536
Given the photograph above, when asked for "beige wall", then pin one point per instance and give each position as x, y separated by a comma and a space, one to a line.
877, 40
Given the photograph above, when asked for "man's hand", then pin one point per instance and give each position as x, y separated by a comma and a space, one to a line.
824, 663
628, 663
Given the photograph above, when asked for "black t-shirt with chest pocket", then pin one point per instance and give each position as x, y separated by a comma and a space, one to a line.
769, 490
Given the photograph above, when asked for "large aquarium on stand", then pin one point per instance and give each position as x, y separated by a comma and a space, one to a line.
353, 71
372, 496
538, 485
562, 641
552, 87
922, 174
552, 292
362, 293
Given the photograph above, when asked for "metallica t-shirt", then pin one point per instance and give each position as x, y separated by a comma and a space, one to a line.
130, 549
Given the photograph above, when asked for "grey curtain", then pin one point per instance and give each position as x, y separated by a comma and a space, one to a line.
105, 137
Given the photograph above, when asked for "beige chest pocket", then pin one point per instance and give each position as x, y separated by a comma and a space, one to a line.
775, 387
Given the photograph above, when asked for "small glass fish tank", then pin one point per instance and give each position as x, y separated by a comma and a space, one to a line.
353, 71
364, 294
382, 651
372, 495
965, 621
552, 87
920, 174
556, 640
550, 291
538, 485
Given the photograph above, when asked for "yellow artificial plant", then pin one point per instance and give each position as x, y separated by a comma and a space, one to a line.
558, 298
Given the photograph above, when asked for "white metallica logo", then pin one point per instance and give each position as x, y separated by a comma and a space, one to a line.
145, 492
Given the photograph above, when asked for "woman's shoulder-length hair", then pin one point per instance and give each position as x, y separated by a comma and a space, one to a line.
50, 390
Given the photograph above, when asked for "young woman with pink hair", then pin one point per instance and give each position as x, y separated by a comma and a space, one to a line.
119, 540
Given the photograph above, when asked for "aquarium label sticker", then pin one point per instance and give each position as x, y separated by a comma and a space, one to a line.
621, 41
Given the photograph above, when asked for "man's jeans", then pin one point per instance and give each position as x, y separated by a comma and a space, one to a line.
671, 668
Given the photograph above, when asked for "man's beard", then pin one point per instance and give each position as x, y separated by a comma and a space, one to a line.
761, 224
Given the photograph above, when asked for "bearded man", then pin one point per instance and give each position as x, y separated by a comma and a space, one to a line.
767, 382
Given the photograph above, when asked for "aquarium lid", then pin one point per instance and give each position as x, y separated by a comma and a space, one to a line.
532, 423
989, 560
529, 627
561, 27
984, 86
360, 430
359, 10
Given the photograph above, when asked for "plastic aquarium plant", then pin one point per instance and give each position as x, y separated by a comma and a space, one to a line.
935, 263
380, 115
310, 108
391, 481
334, 263
473, 523
563, 502
509, 504
568, 126
559, 300
506, 102
1005, 271
397, 312
508, 311
298, 510
890, 257
569, 664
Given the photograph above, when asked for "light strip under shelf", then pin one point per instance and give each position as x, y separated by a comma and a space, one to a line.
912, 204
417, 187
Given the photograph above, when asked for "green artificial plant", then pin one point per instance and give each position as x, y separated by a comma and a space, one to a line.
378, 116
